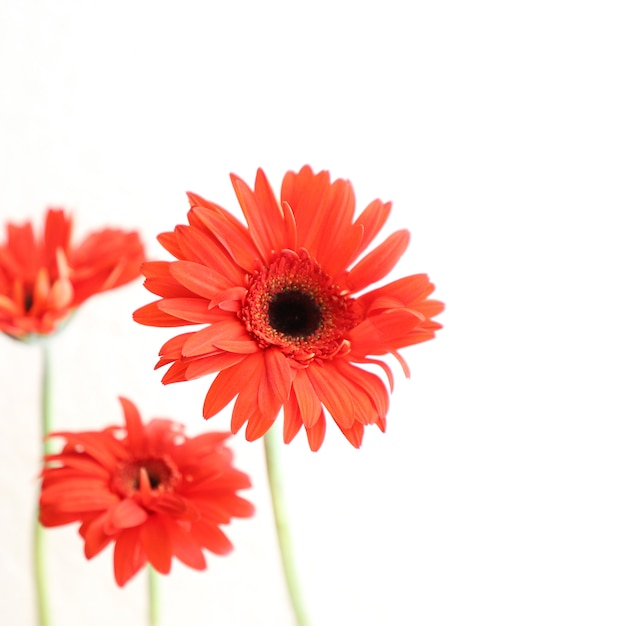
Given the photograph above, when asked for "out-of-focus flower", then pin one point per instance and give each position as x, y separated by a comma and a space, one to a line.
286, 326
148, 488
44, 279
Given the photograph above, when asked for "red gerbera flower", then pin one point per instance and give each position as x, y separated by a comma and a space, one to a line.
43, 279
150, 489
286, 327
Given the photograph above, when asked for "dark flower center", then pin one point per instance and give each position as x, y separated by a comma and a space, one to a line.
158, 473
293, 305
294, 314
161, 475
29, 300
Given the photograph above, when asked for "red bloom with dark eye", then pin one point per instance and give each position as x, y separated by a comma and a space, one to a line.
42, 280
148, 488
287, 326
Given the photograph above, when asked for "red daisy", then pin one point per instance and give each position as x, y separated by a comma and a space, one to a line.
149, 488
43, 279
285, 324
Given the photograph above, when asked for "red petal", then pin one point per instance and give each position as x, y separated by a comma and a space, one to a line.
78, 497
354, 434
221, 480
155, 541
161, 282
247, 406
201, 247
231, 234
229, 335
264, 222
277, 375
49, 517
86, 466
222, 509
405, 290
372, 220
171, 243
379, 262
96, 539
128, 514
343, 255
315, 434
184, 546
100, 445
152, 315
225, 387
198, 278
369, 383
375, 335
195, 310
211, 537
338, 385
177, 373
304, 192
338, 213
128, 556
57, 230
259, 423
170, 504
212, 364
134, 427
257, 403
307, 398
331, 390
292, 422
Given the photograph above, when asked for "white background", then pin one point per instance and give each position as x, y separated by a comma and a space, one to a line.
498, 131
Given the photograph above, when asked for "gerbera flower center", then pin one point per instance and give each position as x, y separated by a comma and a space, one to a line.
29, 300
294, 305
294, 313
162, 476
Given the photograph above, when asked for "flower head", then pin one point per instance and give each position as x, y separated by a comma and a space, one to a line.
148, 488
286, 323
44, 279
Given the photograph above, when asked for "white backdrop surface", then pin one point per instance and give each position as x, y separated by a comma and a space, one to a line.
498, 131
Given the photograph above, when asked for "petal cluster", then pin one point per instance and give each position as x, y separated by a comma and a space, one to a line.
286, 322
148, 488
43, 279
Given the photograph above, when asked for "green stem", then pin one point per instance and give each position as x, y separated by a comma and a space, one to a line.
272, 442
153, 600
43, 613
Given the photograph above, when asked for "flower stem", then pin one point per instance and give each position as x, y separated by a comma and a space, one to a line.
43, 613
153, 597
272, 442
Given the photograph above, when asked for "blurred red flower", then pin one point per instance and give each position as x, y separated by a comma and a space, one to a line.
148, 488
286, 326
43, 279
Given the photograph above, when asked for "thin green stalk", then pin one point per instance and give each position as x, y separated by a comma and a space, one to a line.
153, 597
272, 443
43, 613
